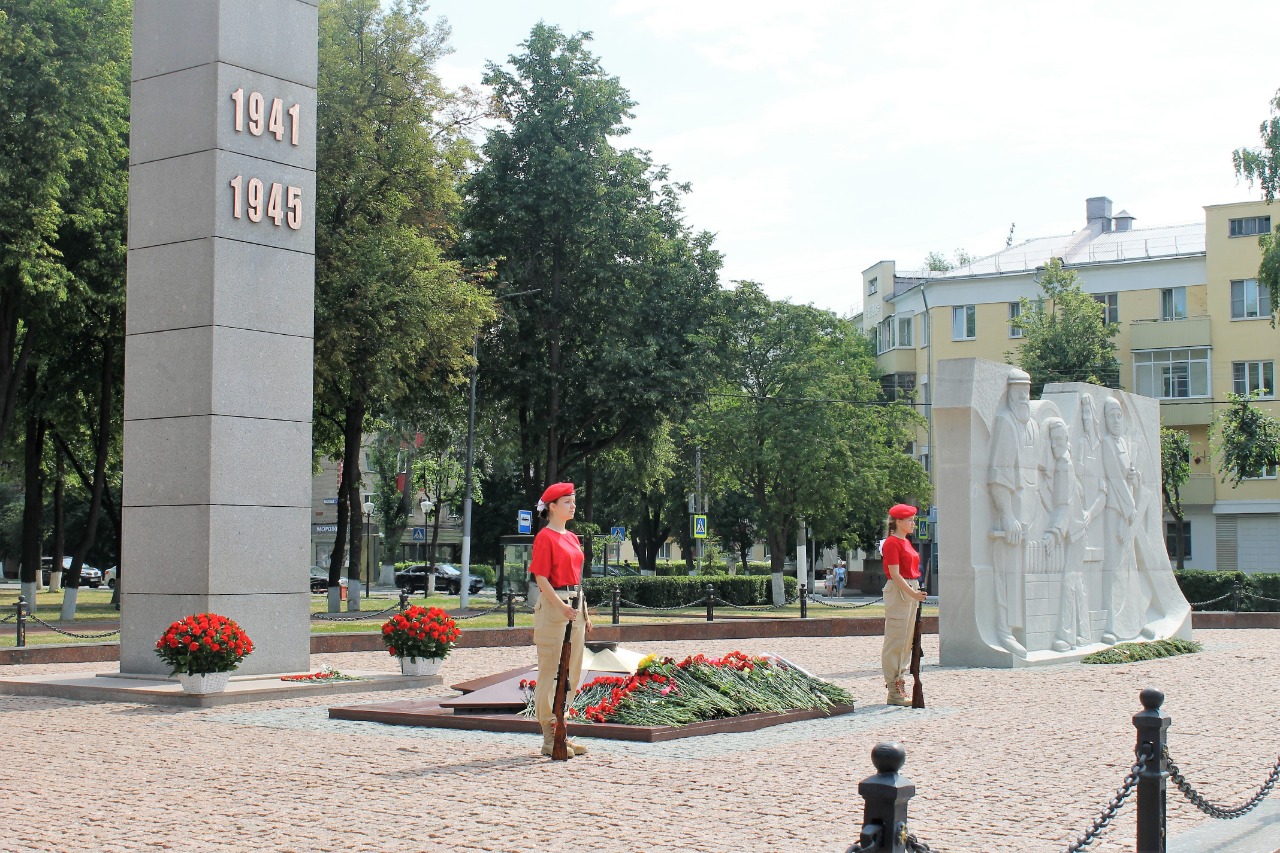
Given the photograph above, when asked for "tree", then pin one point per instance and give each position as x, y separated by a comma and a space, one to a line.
1262, 166
608, 344
394, 315
1175, 470
638, 481
800, 425
1246, 439
1064, 338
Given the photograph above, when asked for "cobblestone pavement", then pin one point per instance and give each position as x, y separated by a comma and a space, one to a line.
1003, 760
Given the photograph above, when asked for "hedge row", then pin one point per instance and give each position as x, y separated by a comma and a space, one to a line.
1200, 585
674, 590
669, 568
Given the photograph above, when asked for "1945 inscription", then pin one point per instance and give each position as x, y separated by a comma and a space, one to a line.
254, 198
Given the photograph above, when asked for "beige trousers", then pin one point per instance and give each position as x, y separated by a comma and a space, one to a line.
899, 628
548, 636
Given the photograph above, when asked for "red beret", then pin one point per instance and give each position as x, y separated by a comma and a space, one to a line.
554, 492
902, 511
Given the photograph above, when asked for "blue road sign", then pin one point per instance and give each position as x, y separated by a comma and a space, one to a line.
524, 521
330, 500
700, 527
618, 534
419, 534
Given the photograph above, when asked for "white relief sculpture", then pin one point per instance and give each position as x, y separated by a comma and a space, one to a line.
1049, 519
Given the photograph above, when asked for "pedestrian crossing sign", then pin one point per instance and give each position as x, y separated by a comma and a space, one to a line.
699, 527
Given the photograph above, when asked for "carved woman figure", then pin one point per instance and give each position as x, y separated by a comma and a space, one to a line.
1120, 589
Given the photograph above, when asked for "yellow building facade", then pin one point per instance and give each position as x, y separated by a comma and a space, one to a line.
1193, 325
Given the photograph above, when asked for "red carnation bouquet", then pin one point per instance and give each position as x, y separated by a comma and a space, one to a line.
420, 632
203, 642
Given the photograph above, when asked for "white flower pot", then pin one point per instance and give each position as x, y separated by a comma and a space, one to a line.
204, 682
420, 666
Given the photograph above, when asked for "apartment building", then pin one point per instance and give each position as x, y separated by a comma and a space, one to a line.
1193, 325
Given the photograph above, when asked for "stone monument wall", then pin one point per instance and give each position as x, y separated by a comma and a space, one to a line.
1050, 531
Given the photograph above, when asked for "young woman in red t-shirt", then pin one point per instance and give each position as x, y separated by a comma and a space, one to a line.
556, 566
902, 595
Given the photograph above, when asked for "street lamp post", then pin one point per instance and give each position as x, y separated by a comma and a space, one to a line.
368, 557
426, 505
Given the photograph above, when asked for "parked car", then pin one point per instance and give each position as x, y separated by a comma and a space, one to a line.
110, 575
448, 579
89, 576
320, 580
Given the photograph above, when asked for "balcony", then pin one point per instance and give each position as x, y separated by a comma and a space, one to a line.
1168, 334
1179, 413
1198, 490
897, 361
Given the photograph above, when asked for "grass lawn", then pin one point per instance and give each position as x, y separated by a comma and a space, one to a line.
95, 606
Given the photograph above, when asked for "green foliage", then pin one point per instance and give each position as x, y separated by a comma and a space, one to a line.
1262, 166
773, 432
1199, 585
1064, 338
1175, 470
1130, 652
1245, 437
611, 344
672, 591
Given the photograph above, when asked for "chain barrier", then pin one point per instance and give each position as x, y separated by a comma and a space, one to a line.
58, 630
1103, 820
817, 599
915, 845
1220, 812
500, 606
326, 617
1257, 597
1222, 597
698, 603
7, 618
755, 607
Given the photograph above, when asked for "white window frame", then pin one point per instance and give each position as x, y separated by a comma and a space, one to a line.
1110, 303
1261, 299
886, 335
968, 316
873, 284
1166, 368
1269, 472
1173, 304
1248, 226
1015, 311
1255, 377
1170, 527
905, 323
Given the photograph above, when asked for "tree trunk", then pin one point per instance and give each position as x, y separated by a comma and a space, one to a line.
102, 448
355, 538
15, 352
588, 542
1179, 543
32, 507
59, 518
354, 420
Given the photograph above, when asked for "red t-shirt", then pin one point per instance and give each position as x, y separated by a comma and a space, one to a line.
898, 552
557, 557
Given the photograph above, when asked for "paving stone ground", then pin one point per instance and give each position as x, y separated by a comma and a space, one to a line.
1003, 760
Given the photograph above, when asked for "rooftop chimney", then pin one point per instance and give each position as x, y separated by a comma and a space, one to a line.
1124, 221
1098, 212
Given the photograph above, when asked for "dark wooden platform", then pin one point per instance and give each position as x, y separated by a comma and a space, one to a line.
429, 713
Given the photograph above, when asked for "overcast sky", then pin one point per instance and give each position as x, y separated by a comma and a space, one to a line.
821, 137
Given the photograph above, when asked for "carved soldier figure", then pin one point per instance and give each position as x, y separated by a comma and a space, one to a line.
1013, 481
1120, 593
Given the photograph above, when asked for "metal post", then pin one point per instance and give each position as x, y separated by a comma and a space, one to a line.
404, 600
368, 555
21, 638
1235, 596
1153, 733
711, 603
884, 801
511, 609
464, 595
617, 605
804, 601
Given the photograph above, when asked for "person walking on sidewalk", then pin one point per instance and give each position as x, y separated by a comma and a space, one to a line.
902, 595
556, 566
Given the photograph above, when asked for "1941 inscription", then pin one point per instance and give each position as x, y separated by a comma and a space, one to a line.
254, 198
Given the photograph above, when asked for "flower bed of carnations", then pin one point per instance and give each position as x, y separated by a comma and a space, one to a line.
664, 692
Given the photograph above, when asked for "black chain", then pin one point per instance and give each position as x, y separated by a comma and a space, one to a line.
1222, 597
325, 617
1108, 814
915, 845
699, 603
720, 600
1220, 812
13, 615
1254, 595
815, 599
56, 629
502, 607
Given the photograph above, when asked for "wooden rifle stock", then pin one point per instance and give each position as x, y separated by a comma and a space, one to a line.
560, 745
917, 689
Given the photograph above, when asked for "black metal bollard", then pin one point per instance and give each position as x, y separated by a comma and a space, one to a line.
884, 802
404, 600
1153, 735
617, 604
511, 609
804, 601
711, 603
1235, 596
20, 639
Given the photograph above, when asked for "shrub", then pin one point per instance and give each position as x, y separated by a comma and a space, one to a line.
674, 590
1130, 652
1199, 585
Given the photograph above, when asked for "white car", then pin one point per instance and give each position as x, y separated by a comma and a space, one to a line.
109, 577
89, 576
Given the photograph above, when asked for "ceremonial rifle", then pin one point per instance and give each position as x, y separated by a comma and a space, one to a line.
917, 689
560, 746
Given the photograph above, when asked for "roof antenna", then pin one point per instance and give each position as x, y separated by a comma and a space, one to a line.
1008, 241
